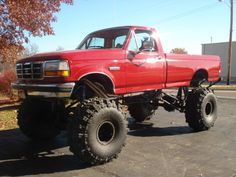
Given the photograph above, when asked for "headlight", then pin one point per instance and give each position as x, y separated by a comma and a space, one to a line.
56, 68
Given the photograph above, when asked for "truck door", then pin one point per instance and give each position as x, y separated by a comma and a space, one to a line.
145, 69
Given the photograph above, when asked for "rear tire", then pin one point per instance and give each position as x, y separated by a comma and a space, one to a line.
141, 110
37, 120
97, 131
201, 109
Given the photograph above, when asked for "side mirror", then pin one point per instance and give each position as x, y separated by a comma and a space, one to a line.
132, 54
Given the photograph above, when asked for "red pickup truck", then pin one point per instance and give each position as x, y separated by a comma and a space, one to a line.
88, 89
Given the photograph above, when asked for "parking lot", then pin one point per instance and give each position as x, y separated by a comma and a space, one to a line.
165, 147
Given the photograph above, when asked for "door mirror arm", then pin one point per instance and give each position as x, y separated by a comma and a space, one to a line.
132, 54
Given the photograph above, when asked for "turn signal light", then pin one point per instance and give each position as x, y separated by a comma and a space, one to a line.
61, 73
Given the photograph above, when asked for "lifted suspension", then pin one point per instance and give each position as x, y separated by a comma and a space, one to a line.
171, 102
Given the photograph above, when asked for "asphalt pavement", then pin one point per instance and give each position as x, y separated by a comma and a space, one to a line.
164, 147
227, 94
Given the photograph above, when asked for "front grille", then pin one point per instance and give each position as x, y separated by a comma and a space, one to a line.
29, 70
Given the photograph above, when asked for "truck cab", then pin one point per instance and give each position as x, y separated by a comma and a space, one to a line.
123, 59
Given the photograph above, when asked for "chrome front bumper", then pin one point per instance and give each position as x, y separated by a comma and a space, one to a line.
46, 90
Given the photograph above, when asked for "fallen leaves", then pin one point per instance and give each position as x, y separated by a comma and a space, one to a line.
8, 120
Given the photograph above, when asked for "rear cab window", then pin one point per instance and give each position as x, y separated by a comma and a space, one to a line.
105, 39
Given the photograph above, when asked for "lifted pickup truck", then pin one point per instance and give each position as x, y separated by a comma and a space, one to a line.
90, 89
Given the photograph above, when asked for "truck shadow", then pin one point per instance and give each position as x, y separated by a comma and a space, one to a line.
19, 156
147, 130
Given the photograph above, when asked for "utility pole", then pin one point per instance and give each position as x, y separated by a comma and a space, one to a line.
230, 42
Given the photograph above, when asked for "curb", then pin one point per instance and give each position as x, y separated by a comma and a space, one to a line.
224, 87
9, 107
226, 98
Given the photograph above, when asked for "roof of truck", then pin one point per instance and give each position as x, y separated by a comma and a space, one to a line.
128, 27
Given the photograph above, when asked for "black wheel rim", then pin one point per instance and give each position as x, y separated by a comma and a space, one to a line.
209, 109
106, 132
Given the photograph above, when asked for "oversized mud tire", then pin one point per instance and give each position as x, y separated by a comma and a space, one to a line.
36, 119
97, 131
141, 111
201, 109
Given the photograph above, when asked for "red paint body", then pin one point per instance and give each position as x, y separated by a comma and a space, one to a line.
146, 71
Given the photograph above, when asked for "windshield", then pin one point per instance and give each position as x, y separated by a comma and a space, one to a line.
105, 39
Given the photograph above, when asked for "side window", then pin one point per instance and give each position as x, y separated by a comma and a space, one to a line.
119, 41
96, 42
133, 45
145, 41
85, 45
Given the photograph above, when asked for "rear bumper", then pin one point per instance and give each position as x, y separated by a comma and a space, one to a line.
46, 90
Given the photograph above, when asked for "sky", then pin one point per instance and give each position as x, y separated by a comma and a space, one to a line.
181, 23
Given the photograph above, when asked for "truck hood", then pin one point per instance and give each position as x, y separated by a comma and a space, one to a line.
94, 54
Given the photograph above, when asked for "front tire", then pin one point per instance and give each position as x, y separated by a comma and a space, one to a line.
201, 109
37, 120
97, 131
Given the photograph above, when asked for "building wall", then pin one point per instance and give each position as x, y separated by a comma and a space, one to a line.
221, 49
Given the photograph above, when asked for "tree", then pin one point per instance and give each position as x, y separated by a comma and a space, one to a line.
179, 51
20, 19
59, 48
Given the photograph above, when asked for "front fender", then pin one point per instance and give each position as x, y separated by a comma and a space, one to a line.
116, 77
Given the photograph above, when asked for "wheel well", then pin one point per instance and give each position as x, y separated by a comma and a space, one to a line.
199, 76
103, 82
101, 79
